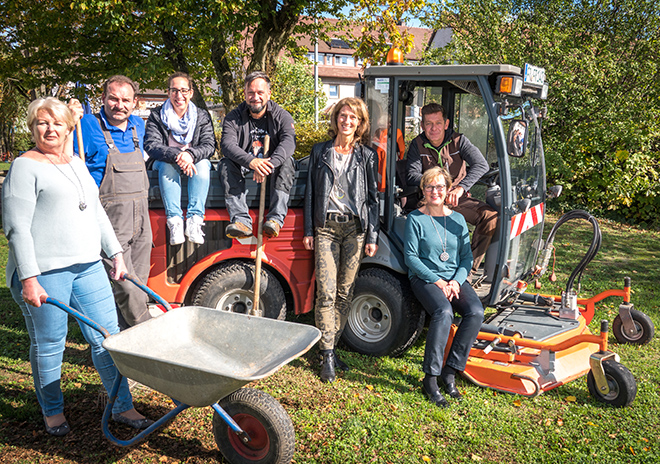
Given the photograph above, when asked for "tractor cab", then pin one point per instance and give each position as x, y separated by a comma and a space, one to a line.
499, 109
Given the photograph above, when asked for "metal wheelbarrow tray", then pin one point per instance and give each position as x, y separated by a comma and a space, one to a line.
199, 355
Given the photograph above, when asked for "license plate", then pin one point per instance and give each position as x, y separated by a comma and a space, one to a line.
534, 75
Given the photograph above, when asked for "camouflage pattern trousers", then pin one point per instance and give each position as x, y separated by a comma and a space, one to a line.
338, 252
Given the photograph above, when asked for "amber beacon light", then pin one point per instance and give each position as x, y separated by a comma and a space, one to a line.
394, 56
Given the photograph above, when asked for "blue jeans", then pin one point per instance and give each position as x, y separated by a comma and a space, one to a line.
86, 288
169, 177
441, 311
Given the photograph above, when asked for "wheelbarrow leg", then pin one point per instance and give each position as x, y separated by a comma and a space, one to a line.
144, 433
245, 438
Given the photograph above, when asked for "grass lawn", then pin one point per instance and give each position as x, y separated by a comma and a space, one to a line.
376, 411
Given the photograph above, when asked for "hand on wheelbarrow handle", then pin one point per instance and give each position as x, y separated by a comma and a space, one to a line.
147, 290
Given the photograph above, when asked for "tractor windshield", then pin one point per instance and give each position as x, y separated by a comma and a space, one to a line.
524, 200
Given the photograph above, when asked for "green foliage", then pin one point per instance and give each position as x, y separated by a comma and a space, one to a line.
13, 106
52, 42
602, 136
308, 134
293, 89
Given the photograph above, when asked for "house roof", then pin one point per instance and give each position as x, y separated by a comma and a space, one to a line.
336, 44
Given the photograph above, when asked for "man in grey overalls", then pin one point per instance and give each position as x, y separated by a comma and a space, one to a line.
112, 142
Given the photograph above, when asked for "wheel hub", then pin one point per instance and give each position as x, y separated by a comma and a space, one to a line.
370, 318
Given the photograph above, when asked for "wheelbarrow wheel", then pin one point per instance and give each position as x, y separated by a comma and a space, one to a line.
230, 287
265, 421
644, 329
623, 387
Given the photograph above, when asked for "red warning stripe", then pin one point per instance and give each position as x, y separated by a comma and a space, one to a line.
525, 221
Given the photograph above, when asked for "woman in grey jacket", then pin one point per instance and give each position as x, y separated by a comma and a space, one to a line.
180, 138
341, 215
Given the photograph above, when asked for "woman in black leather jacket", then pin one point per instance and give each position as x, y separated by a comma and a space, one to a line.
341, 220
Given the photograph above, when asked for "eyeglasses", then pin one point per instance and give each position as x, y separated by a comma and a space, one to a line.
438, 188
183, 92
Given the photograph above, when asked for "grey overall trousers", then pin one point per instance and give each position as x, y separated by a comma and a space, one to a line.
123, 194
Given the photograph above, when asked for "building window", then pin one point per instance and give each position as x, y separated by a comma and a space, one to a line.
333, 91
311, 58
344, 60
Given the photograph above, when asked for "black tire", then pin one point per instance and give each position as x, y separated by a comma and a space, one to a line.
623, 387
264, 420
643, 324
385, 318
230, 287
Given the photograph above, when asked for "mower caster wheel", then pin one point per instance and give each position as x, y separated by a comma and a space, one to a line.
623, 387
644, 329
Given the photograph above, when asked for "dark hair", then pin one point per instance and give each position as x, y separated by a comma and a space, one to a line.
433, 108
253, 76
360, 109
179, 74
119, 79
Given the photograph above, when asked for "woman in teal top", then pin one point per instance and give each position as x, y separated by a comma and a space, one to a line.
439, 259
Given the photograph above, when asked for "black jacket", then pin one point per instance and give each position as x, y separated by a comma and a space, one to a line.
235, 140
156, 134
362, 181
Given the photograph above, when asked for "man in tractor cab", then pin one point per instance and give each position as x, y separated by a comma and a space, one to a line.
439, 145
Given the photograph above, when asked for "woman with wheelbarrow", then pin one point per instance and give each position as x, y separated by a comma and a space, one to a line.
341, 220
56, 228
439, 259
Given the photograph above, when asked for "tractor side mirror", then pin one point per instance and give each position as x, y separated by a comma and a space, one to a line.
517, 138
554, 191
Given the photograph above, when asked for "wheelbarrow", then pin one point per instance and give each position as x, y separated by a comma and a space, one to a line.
202, 357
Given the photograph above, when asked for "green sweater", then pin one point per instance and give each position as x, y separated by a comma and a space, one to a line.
42, 220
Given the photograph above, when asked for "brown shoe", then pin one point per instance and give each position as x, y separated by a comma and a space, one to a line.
238, 230
271, 229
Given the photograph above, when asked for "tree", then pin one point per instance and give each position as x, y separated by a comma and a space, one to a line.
602, 137
381, 22
55, 41
293, 89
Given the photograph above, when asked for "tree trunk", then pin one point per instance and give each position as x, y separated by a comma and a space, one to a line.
179, 62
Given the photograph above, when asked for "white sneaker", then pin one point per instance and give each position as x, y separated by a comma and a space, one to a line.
194, 229
175, 225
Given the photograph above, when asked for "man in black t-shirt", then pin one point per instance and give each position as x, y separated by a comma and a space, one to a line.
242, 144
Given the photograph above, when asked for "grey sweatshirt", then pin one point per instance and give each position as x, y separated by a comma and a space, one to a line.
42, 220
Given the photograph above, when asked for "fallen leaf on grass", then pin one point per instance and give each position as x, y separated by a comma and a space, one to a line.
645, 439
162, 459
369, 387
571, 399
560, 422
517, 403
474, 457
632, 451
426, 459
592, 424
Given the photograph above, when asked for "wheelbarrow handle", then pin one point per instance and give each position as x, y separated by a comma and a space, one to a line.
148, 291
79, 316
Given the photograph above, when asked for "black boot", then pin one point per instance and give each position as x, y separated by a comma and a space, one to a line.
327, 366
339, 364
430, 389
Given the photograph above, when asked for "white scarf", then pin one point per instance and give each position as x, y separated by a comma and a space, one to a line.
183, 128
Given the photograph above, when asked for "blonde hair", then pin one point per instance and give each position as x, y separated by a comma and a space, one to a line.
360, 110
51, 105
431, 174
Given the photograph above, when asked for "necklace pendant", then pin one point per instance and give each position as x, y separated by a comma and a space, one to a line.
82, 206
444, 256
